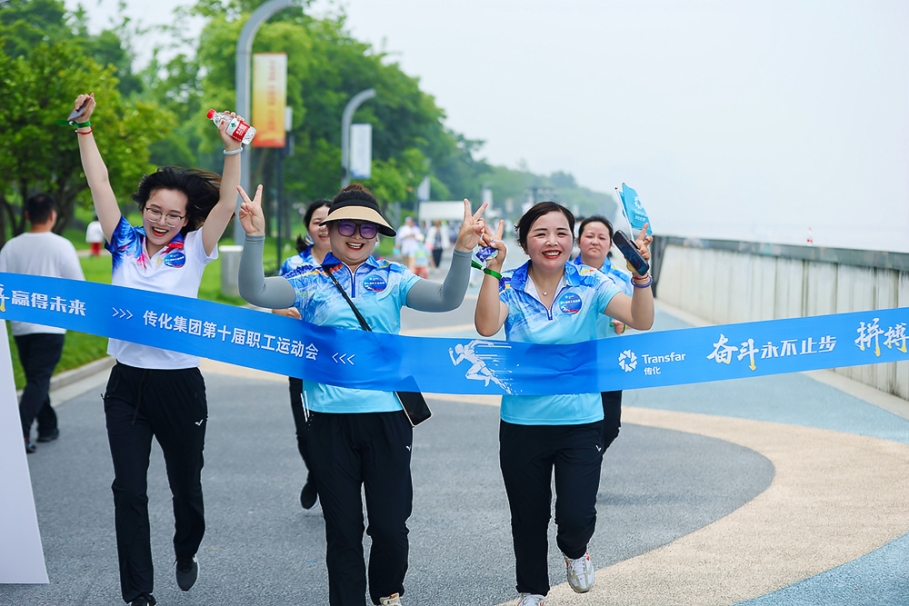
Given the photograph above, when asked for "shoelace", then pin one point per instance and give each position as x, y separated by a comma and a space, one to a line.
578, 567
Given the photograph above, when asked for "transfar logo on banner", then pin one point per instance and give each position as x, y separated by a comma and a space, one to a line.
628, 361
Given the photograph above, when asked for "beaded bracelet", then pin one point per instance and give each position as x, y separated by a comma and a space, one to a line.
634, 282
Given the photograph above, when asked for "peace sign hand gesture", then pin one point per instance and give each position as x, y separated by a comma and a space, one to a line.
251, 216
472, 228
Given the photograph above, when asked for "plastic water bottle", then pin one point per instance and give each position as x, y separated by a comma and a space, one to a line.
236, 128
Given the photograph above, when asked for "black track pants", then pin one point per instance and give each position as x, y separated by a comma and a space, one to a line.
38, 354
612, 416
528, 454
169, 405
296, 407
369, 450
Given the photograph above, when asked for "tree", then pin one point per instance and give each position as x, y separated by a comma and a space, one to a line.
36, 154
326, 67
38, 88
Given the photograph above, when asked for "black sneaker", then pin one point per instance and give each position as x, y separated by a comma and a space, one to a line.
187, 572
49, 437
308, 495
146, 599
29, 446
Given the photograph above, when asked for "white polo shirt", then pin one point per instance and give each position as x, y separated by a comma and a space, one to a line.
176, 269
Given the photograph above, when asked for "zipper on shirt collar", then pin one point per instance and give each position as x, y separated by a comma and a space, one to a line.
353, 278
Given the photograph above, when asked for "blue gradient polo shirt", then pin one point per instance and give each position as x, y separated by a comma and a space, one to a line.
379, 290
623, 281
582, 298
298, 260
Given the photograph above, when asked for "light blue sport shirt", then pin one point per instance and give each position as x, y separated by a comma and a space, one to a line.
379, 290
576, 309
298, 260
623, 281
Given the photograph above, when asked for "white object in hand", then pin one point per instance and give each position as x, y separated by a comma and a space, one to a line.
236, 128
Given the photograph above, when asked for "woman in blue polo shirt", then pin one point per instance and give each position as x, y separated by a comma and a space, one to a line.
358, 438
595, 242
552, 301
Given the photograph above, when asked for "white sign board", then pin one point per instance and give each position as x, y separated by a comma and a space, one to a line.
21, 553
487, 197
360, 151
423, 190
441, 211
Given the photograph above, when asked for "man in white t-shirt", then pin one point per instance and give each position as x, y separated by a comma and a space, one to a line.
39, 252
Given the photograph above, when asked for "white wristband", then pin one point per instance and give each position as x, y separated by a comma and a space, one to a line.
234, 152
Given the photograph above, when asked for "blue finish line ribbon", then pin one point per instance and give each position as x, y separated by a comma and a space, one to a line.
354, 358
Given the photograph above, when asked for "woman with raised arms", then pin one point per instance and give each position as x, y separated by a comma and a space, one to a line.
552, 301
358, 439
156, 392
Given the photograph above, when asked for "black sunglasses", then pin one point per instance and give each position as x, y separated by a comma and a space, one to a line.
347, 228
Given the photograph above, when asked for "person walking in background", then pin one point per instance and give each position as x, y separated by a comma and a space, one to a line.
595, 242
359, 439
39, 252
156, 393
407, 238
94, 236
310, 251
550, 300
422, 258
438, 238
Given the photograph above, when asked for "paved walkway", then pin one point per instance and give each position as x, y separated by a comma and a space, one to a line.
771, 491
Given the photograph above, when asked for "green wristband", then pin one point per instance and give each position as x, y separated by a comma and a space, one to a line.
475, 264
81, 125
492, 273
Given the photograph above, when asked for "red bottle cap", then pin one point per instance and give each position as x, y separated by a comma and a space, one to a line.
210, 114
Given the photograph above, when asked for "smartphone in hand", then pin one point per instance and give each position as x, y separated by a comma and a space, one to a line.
77, 113
630, 252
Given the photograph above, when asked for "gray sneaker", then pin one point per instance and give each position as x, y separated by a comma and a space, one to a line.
187, 572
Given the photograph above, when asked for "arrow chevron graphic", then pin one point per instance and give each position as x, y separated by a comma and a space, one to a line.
343, 358
122, 313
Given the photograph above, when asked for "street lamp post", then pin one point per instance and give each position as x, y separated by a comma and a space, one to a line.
244, 54
346, 119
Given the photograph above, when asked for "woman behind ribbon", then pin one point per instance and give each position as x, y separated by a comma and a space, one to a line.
552, 301
595, 242
154, 392
358, 438
310, 251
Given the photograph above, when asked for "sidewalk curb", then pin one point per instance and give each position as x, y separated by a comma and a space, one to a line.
77, 374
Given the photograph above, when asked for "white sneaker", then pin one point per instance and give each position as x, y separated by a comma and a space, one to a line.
392, 600
530, 599
581, 574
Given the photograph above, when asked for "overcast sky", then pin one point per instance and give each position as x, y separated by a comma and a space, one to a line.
741, 120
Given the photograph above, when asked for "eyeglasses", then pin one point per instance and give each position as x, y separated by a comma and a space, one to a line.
348, 228
170, 219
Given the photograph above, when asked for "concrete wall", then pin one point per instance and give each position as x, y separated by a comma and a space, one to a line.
728, 286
